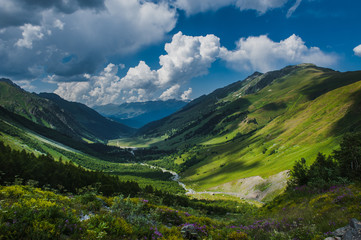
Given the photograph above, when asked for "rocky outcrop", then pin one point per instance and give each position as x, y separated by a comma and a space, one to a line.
349, 232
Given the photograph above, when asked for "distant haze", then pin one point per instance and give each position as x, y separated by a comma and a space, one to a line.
137, 114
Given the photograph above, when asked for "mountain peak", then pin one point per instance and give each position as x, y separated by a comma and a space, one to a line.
52, 96
8, 81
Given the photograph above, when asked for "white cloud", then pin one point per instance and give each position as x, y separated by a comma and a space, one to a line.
170, 93
90, 32
262, 54
187, 57
193, 7
140, 76
59, 24
30, 33
357, 50
186, 94
74, 91
261, 6
108, 87
293, 8
25, 84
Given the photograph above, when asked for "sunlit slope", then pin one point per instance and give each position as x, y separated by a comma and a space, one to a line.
73, 119
296, 115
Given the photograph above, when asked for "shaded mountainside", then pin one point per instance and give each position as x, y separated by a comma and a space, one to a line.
137, 114
260, 126
92, 121
73, 119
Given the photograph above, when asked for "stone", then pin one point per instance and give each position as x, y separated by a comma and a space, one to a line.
348, 236
341, 231
349, 232
355, 224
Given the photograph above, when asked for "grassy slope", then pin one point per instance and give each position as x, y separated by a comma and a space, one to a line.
39, 110
18, 137
49, 110
298, 115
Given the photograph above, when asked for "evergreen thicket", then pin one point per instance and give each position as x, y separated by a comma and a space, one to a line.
343, 166
58, 175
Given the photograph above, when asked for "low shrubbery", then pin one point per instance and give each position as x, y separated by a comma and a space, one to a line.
27, 212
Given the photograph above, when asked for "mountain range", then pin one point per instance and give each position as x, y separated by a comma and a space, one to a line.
256, 127
137, 114
259, 126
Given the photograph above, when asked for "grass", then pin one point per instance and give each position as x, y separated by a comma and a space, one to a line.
297, 116
135, 142
22, 139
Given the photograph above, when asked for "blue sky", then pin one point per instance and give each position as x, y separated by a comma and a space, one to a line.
113, 51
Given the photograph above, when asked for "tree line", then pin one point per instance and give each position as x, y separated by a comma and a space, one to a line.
342, 166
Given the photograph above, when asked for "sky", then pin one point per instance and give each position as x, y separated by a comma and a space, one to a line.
101, 52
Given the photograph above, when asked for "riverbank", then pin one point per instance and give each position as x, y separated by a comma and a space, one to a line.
252, 189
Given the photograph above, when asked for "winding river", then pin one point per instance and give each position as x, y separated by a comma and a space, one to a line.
175, 177
190, 191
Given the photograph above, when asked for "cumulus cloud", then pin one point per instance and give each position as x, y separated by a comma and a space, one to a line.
187, 57
170, 93
108, 87
140, 76
30, 34
186, 94
74, 91
262, 54
70, 44
261, 6
357, 50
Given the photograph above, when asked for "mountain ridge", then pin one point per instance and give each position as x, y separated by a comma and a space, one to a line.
137, 114
52, 113
227, 135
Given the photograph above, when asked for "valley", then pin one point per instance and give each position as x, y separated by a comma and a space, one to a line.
232, 151
180, 120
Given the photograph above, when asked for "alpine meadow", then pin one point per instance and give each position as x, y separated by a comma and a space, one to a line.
180, 119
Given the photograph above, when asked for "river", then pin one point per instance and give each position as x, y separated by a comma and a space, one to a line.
175, 177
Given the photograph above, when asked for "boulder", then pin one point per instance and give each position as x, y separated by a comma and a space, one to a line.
349, 232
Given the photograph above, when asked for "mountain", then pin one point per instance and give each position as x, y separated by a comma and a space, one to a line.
91, 120
137, 114
259, 126
73, 119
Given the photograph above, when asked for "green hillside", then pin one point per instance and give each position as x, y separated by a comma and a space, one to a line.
21, 134
92, 121
260, 126
73, 119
